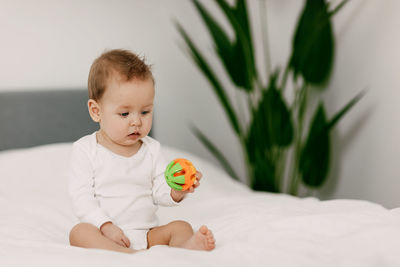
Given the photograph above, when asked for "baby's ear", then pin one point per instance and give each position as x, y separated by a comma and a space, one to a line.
94, 110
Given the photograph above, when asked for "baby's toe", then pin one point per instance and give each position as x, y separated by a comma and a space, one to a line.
209, 234
210, 246
204, 230
210, 238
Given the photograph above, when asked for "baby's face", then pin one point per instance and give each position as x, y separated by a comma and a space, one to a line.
127, 110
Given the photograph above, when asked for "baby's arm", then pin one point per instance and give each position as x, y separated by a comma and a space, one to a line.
83, 198
81, 188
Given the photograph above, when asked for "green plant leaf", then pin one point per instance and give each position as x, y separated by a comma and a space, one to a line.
271, 127
272, 123
313, 43
314, 157
243, 19
212, 78
240, 12
223, 47
344, 110
243, 46
338, 7
217, 154
264, 175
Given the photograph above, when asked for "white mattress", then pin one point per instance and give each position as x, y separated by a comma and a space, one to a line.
251, 229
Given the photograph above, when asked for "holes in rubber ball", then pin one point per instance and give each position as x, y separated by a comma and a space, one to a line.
182, 172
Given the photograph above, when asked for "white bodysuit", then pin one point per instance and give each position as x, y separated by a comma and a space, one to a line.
105, 186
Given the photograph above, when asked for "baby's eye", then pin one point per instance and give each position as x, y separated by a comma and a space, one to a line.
145, 112
125, 114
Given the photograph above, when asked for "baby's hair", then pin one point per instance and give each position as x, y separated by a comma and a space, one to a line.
121, 62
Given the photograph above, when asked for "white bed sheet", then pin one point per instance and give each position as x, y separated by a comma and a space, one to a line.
251, 229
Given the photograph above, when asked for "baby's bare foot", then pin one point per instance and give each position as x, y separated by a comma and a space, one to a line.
201, 240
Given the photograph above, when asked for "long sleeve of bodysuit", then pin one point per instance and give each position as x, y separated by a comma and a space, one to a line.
81, 188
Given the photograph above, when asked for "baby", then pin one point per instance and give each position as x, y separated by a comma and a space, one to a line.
117, 173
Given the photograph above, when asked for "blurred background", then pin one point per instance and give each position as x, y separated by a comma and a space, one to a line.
51, 45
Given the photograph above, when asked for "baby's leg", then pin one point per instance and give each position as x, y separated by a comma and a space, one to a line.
180, 234
89, 236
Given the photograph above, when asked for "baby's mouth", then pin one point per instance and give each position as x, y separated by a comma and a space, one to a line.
134, 134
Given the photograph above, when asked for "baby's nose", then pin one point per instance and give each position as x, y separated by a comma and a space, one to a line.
135, 120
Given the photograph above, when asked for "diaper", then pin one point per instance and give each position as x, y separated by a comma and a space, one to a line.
138, 238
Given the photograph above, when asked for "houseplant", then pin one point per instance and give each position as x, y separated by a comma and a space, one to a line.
277, 129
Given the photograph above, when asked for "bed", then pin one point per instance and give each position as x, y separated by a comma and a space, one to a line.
251, 228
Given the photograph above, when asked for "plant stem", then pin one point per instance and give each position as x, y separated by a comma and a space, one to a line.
281, 167
285, 76
264, 34
276, 153
241, 114
299, 106
249, 166
242, 140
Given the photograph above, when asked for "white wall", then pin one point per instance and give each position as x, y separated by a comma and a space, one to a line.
367, 147
51, 44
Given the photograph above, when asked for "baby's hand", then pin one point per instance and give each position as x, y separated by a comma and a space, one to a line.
178, 195
113, 232
196, 183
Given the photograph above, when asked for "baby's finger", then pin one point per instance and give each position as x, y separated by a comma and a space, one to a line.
121, 243
196, 184
199, 175
126, 241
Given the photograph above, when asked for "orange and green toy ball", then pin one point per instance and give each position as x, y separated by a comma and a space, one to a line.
180, 174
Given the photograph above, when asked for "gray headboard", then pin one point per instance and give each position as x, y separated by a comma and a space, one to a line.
31, 118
